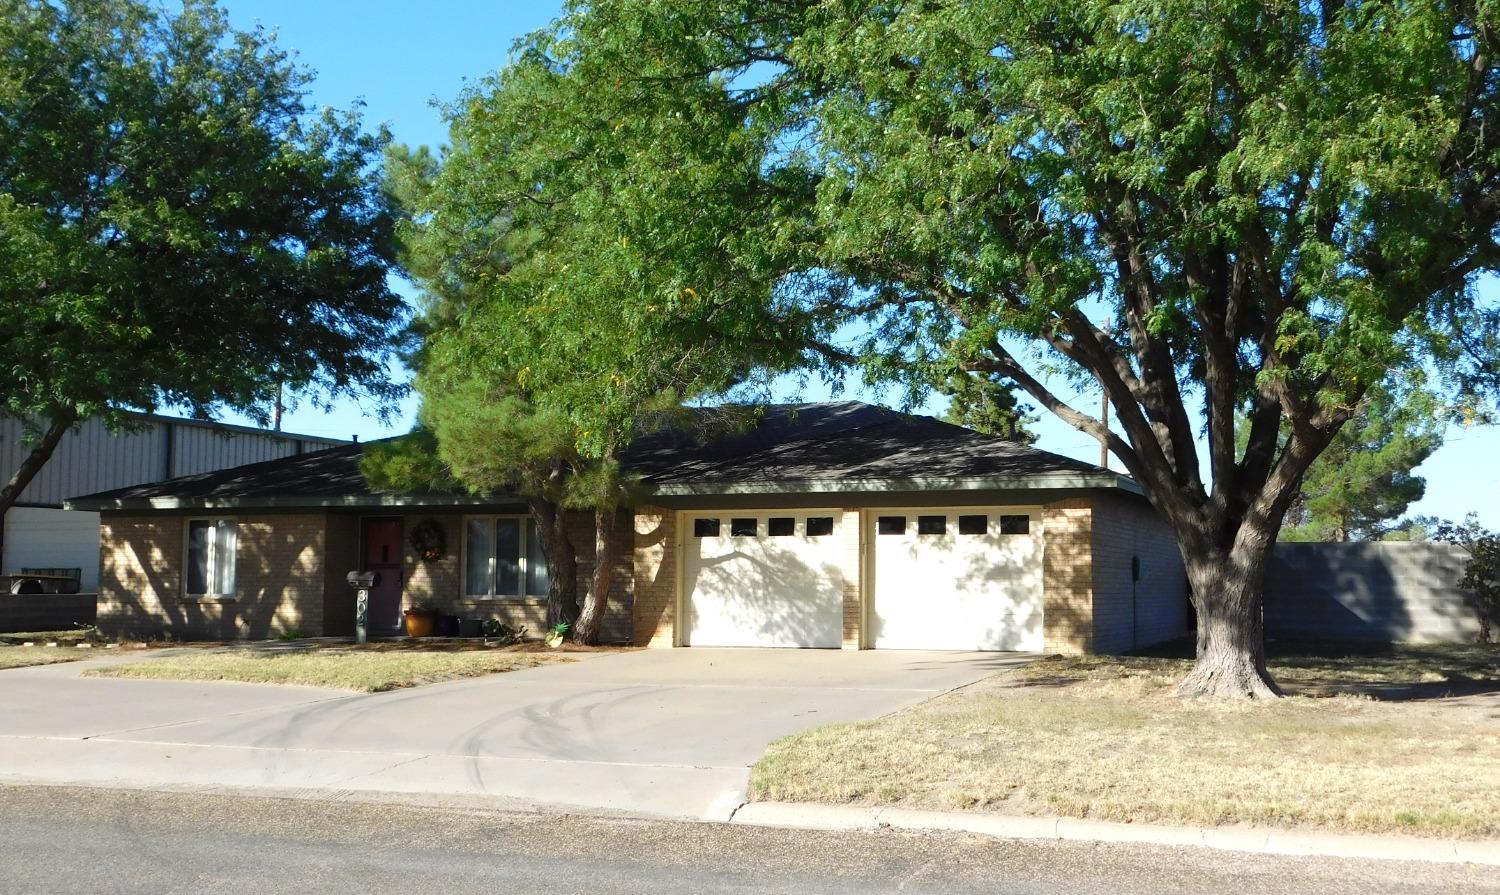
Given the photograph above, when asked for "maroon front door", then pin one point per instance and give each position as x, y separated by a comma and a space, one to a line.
382, 553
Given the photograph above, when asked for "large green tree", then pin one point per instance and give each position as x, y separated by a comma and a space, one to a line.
552, 318
1217, 210
177, 226
1362, 484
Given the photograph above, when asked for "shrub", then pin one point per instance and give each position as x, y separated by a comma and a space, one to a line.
1482, 573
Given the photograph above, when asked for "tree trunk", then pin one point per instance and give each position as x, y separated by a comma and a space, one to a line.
41, 452
1228, 588
562, 561
606, 549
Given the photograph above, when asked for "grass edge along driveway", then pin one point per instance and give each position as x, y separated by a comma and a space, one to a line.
26, 656
359, 671
1099, 737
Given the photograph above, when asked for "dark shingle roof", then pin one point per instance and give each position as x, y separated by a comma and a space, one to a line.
834, 441
780, 447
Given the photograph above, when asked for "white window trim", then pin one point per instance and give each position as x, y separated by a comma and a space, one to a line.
524, 564
187, 556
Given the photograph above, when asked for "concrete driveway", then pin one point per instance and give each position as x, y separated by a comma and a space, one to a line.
667, 732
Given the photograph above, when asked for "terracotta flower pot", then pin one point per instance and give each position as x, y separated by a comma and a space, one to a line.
419, 622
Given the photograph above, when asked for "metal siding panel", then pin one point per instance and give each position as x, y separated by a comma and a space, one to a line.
91, 459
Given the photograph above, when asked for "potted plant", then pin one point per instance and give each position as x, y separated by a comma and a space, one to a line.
420, 620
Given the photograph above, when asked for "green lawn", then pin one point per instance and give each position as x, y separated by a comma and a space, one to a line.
1101, 737
22, 656
363, 671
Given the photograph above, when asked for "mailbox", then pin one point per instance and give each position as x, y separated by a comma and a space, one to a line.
363, 583
363, 580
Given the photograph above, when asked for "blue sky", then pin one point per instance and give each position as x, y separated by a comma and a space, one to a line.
398, 56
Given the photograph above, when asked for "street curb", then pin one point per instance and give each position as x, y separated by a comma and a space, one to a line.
1242, 839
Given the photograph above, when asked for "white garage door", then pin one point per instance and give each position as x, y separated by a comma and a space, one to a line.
956, 578
763, 579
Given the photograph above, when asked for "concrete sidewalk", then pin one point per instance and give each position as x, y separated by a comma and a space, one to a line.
660, 732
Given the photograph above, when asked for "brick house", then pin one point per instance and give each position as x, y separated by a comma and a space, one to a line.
821, 525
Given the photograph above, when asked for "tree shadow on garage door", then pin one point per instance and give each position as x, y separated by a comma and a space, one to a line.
763, 596
991, 601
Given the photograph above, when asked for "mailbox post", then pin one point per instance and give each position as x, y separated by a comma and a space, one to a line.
363, 583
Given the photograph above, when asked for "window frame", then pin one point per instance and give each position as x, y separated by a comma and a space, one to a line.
526, 523
932, 520
1001, 523
210, 569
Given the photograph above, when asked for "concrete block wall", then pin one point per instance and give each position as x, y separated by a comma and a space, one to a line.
1129, 614
1370, 591
46, 612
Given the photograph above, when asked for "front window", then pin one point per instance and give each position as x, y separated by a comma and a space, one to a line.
503, 558
210, 557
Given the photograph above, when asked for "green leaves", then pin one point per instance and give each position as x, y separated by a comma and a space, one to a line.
176, 226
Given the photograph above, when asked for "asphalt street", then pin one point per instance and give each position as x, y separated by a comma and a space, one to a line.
70, 840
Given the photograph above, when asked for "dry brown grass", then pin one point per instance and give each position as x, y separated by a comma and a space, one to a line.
23, 656
1101, 737
366, 671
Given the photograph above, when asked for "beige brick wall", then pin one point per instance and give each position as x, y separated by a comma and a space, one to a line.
655, 572
440, 583
341, 556
289, 575
279, 575
851, 533
1067, 577
437, 583
1130, 614
279, 579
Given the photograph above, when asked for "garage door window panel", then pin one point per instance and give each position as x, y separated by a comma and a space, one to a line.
781, 527
819, 526
742, 528
1015, 525
932, 525
705, 528
974, 524
891, 525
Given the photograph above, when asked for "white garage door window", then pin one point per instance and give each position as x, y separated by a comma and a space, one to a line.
763, 579
965, 578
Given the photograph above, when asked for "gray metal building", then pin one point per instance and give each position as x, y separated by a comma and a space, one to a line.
39, 533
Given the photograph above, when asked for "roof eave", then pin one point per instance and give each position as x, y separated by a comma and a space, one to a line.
1051, 481
276, 503
1054, 481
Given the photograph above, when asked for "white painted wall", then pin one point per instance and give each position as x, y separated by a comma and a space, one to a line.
46, 538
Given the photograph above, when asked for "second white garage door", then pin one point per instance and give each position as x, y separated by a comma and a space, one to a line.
763, 579
956, 578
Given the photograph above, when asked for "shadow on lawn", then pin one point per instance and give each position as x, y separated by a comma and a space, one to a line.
1383, 671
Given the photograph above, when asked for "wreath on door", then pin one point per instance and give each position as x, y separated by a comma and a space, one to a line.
429, 540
